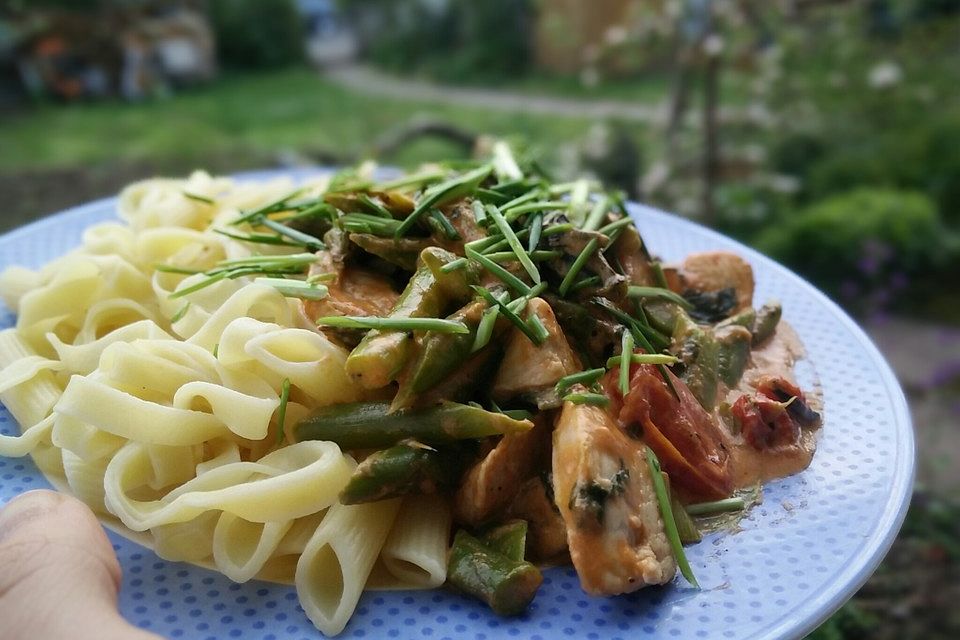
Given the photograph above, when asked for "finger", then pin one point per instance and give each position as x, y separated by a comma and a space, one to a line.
60, 576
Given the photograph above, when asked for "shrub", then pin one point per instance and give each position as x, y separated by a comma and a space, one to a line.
257, 34
863, 246
460, 40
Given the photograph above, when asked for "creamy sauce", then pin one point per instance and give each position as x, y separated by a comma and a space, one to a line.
750, 466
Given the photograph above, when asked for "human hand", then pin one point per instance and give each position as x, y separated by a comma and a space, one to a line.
59, 576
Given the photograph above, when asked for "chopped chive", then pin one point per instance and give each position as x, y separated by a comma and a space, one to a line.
292, 260
448, 229
179, 293
305, 239
258, 238
488, 195
483, 244
626, 352
411, 180
599, 210
454, 265
519, 200
178, 316
659, 293
313, 209
658, 275
479, 213
592, 281
668, 521
557, 229
282, 409
718, 506
510, 315
595, 399
198, 198
577, 265
487, 323
436, 325
374, 207
615, 226
514, 243
547, 205
295, 288
276, 205
536, 324
510, 256
587, 378
216, 349
504, 164
169, 268
536, 228
443, 193
517, 414
508, 278
579, 198
643, 358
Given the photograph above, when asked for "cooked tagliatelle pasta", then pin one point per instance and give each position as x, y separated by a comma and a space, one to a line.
313, 382
167, 421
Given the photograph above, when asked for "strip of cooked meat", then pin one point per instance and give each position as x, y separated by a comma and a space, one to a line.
606, 497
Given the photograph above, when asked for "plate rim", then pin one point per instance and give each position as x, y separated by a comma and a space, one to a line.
818, 608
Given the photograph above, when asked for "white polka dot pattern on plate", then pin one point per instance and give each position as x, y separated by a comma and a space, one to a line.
816, 537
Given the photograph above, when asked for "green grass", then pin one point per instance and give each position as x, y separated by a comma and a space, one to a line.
245, 118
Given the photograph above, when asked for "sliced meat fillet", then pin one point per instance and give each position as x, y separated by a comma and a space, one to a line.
489, 485
605, 494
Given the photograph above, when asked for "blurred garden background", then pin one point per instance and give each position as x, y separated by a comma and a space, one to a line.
826, 133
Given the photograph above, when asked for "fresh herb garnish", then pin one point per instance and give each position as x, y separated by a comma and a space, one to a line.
669, 524
437, 325
586, 378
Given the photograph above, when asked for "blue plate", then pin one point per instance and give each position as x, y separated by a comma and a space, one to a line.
802, 553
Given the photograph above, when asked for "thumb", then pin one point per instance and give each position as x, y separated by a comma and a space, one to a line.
60, 576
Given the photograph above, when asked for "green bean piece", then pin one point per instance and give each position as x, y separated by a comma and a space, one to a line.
509, 538
361, 425
439, 355
402, 252
381, 355
507, 586
405, 468
700, 352
734, 353
745, 318
768, 317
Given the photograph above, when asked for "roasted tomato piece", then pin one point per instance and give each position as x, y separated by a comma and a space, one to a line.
765, 423
681, 433
782, 390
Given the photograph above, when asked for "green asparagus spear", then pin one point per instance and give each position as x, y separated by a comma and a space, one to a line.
381, 355
700, 353
439, 356
405, 468
506, 585
768, 317
745, 318
402, 252
371, 424
734, 353
509, 538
